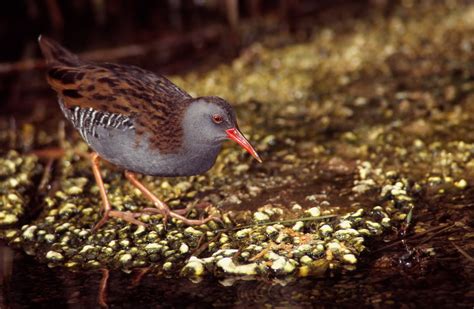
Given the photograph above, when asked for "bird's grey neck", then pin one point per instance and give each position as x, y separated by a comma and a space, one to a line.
193, 143
197, 135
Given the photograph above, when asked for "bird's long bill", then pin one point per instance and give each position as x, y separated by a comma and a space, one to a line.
235, 135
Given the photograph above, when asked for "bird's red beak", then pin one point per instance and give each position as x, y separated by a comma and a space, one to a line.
235, 135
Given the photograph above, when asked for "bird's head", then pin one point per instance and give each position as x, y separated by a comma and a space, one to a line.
211, 120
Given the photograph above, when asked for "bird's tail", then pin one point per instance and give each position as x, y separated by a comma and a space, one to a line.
55, 54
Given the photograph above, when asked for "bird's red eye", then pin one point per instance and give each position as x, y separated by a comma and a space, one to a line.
217, 118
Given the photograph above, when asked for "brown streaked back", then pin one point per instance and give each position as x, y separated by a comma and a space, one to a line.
153, 102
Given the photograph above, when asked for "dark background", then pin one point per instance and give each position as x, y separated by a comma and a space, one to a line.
166, 36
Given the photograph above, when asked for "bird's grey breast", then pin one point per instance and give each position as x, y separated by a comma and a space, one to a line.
124, 149
114, 138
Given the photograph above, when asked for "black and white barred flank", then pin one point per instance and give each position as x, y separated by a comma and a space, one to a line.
87, 120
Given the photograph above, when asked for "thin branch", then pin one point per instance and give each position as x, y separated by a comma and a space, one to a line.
280, 222
46, 175
159, 46
463, 252
103, 288
201, 248
138, 278
437, 229
437, 233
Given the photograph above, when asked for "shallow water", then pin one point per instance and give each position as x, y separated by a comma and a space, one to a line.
35, 285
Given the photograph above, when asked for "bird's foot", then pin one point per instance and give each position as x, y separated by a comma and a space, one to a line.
166, 212
131, 217
127, 216
162, 208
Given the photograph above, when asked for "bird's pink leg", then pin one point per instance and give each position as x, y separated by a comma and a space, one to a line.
106, 209
160, 206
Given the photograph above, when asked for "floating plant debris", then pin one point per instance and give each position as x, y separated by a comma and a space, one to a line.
316, 237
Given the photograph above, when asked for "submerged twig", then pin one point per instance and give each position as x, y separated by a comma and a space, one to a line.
463, 252
437, 229
49, 153
46, 175
280, 222
103, 288
204, 246
437, 233
262, 253
138, 278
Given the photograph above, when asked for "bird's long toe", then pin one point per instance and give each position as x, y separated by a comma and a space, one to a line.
127, 216
193, 221
179, 214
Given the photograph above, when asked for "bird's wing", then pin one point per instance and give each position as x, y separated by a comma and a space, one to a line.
122, 86
114, 88
152, 102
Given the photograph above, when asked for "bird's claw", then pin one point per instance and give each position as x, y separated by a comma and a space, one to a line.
166, 213
127, 216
